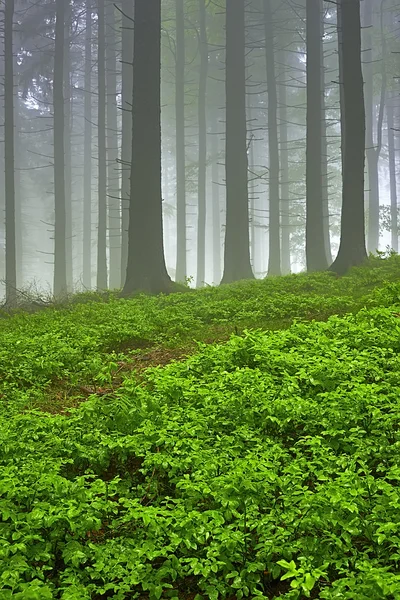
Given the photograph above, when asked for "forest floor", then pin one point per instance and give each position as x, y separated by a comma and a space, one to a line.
232, 442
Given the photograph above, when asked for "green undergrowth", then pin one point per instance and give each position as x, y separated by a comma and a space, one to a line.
82, 342
267, 466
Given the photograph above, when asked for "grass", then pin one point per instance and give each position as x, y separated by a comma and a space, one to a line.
232, 442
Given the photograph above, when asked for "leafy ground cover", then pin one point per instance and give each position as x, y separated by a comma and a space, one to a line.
264, 466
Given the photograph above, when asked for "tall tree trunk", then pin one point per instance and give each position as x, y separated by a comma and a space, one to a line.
126, 143
274, 258
181, 258
352, 239
201, 184
341, 86
146, 269
18, 153
251, 186
390, 104
60, 272
102, 159
237, 251
11, 270
372, 150
2, 175
392, 176
67, 146
284, 163
87, 183
315, 245
324, 152
215, 199
114, 191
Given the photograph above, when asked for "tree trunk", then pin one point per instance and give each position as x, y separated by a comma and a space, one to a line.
341, 87
102, 160
392, 176
87, 183
126, 143
67, 146
315, 245
372, 151
284, 163
11, 269
146, 269
113, 180
201, 184
181, 258
274, 258
18, 154
324, 153
60, 273
251, 186
215, 198
237, 251
352, 239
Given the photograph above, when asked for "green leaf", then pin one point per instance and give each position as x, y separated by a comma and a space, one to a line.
309, 581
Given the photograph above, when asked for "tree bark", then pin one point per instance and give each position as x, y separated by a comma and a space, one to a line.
251, 186
324, 153
392, 176
274, 258
284, 164
60, 273
113, 179
215, 199
181, 258
102, 158
146, 269
372, 151
315, 244
11, 269
201, 183
126, 143
67, 146
237, 251
352, 239
87, 183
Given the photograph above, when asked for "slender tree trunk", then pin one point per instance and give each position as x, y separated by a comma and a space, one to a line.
102, 159
372, 151
114, 191
126, 144
201, 184
252, 187
146, 269
315, 245
2, 173
18, 153
352, 239
215, 198
284, 163
181, 258
390, 104
60, 272
11, 269
87, 184
166, 201
67, 146
341, 86
237, 251
324, 152
392, 176
274, 258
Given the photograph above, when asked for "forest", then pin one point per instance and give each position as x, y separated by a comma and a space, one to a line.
206, 144
199, 300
